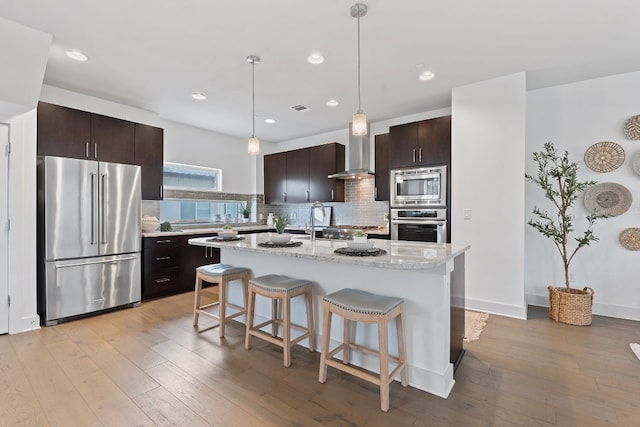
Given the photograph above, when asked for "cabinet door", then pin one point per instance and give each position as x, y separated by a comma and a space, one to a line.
275, 176
298, 176
324, 160
403, 145
382, 167
148, 153
434, 141
112, 140
63, 131
193, 257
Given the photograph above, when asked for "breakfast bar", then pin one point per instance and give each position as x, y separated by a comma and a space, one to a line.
428, 276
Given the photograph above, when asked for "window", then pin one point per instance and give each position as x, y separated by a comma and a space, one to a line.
177, 176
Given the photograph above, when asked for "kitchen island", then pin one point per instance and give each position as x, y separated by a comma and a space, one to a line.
428, 276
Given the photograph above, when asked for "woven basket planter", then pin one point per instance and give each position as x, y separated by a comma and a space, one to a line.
570, 306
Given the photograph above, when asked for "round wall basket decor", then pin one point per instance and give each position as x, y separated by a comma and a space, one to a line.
607, 198
632, 127
630, 239
604, 156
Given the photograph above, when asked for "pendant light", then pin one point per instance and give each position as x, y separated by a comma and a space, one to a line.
359, 121
254, 144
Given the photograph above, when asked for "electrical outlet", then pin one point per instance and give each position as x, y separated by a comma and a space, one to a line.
466, 213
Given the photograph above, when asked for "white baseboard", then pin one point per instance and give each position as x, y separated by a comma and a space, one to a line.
600, 309
26, 324
517, 312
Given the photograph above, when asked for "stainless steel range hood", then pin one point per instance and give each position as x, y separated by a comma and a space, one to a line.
359, 158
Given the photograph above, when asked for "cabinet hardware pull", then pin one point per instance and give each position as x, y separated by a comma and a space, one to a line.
332, 197
420, 156
161, 191
375, 192
95, 151
86, 150
162, 258
163, 241
307, 194
284, 196
414, 155
163, 280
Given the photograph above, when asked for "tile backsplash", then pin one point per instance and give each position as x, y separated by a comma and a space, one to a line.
359, 207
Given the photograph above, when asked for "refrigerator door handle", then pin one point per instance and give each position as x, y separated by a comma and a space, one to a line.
103, 208
79, 264
93, 208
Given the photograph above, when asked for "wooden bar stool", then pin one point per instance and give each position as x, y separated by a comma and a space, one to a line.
221, 274
359, 306
283, 289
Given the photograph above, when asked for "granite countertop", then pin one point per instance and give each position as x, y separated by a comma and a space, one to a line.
400, 255
212, 230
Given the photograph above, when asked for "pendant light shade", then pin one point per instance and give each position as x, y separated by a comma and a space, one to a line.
253, 146
359, 121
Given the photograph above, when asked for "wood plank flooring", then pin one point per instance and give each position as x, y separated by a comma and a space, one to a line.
148, 366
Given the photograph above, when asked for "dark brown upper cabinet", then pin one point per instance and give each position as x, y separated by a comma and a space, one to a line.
300, 176
424, 143
149, 154
275, 178
66, 132
382, 167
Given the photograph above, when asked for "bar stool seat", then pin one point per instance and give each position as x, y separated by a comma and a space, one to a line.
360, 306
283, 289
222, 274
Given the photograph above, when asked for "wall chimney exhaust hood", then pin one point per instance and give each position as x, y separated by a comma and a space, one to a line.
359, 158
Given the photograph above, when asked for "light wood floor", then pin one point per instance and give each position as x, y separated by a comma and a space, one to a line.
148, 366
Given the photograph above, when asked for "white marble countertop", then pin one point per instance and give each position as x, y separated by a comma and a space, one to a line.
400, 255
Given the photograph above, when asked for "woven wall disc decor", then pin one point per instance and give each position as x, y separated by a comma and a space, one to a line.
604, 156
632, 127
630, 239
607, 198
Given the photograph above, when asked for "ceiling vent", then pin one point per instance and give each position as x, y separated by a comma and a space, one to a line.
300, 108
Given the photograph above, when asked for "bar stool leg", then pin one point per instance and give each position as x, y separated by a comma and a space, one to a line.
286, 330
324, 347
346, 339
274, 317
383, 343
222, 305
250, 311
196, 304
402, 351
308, 297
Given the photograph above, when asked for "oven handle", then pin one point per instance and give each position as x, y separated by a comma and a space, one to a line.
440, 222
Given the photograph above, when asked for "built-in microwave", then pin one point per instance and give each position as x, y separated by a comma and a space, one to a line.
425, 186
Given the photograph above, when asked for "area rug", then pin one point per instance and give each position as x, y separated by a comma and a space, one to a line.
474, 322
635, 347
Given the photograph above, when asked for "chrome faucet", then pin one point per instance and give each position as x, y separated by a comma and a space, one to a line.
313, 221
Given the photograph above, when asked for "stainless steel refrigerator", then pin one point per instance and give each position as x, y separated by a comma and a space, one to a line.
88, 237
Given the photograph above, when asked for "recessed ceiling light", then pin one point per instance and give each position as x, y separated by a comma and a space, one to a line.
270, 121
427, 75
315, 58
333, 103
199, 96
77, 55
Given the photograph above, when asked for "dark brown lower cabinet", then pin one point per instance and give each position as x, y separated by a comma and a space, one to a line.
193, 257
160, 266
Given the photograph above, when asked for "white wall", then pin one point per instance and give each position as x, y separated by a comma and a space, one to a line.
182, 143
22, 213
575, 116
487, 156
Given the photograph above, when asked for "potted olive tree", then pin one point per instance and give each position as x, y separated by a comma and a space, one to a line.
557, 177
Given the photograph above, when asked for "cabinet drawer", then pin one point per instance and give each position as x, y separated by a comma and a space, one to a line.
160, 242
157, 283
161, 258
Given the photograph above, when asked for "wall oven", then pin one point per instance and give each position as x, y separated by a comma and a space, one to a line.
419, 225
425, 186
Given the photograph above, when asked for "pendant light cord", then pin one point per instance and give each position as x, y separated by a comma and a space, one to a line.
253, 98
359, 106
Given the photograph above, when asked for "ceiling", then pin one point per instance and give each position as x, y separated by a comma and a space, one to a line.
153, 54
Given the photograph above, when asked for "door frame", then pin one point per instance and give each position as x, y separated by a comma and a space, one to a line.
5, 132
